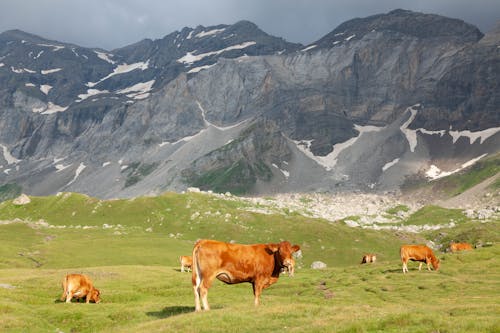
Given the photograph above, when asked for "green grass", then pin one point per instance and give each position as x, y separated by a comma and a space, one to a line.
461, 297
136, 268
433, 215
397, 209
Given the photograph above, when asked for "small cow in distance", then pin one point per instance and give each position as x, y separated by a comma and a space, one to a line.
258, 264
79, 286
186, 263
419, 253
368, 258
455, 247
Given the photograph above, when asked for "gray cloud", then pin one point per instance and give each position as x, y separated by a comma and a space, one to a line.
115, 23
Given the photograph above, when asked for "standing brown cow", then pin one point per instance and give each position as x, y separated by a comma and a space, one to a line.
419, 253
258, 264
79, 286
454, 247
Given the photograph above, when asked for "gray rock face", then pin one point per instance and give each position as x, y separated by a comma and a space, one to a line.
231, 108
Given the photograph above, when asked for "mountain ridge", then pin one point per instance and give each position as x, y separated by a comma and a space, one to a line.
362, 114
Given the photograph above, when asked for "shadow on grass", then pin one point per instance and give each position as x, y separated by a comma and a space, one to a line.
170, 311
396, 270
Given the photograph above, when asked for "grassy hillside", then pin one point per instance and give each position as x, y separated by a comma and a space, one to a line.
459, 182
130, 250
171, 223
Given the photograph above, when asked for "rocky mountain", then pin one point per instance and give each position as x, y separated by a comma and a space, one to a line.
375, 103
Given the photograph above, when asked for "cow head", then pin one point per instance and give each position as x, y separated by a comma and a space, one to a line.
95, 295
435, 263
283, 253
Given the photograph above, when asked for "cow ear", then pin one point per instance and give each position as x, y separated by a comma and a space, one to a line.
295, 248
272, 248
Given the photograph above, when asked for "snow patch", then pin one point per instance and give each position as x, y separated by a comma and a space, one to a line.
49, 109
435, 173
120, 69
390, 164
209, 33
473, 136
29, 85
61, 167
106, 164
78, 171
91, 92
309, 48
105, 56
350, 37
50, 71
138, 91
45, 88
190, 58
284, 172
330, 160
197, 69
55, 47
411, 135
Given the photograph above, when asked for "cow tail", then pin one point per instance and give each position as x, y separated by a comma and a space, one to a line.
197, 277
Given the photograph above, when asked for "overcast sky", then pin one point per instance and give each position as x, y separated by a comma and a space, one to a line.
111, 24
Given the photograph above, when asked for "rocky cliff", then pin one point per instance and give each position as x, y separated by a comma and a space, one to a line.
229, 108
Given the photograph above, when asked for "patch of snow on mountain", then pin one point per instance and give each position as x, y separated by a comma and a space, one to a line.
91, 92
50, 108
78, 171
120, 69
8, 157
2, 64
473, 136
207, 123
55, 47
106, 164
191, 58
38, 55
49, 71
137, 90
309, 48
435, 173
197, 69
349, 38
284, 172
105, 56
29, 85
209, 33
424, 131
61, 167
330, 160
45, 88
390, 164
411, 135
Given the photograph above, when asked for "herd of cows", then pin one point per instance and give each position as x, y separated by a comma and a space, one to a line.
258, 264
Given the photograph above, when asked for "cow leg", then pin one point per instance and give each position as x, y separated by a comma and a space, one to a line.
257, 290
182, 268
405, 267
420, 266
197, 305
69, 296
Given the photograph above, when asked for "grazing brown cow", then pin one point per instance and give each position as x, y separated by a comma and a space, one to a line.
419, 253
258, 264
79, 286
368, 258
454, 247
186, 262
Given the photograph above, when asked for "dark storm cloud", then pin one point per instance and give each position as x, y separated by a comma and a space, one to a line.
115, 23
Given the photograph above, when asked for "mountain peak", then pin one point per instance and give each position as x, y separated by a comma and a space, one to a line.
405, 22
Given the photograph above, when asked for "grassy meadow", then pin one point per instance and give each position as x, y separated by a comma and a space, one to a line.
130, 249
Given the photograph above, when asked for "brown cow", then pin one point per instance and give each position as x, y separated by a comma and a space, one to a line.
368, 258
258, 264
79, 286
419, 253
186, 262
454, 247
